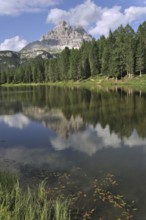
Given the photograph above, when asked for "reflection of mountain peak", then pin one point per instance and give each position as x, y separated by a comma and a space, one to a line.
56, 121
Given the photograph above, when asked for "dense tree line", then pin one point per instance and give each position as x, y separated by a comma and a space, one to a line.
122, 53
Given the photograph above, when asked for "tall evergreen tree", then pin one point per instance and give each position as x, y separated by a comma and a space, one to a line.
140, 56
94, 58
64, 64
74, 65
130, 48
141, 48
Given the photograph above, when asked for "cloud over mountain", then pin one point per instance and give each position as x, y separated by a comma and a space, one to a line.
97, 20
84, 14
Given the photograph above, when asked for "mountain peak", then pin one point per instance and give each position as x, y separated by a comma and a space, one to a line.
61, 36
66, 36
62, 23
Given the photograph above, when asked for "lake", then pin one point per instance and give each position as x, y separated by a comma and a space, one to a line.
75, 138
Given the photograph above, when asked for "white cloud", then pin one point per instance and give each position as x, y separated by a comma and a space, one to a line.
95, 19
14, 7
96, 139
113, 17
15, 44
15, 121
110, 19
84, 14
89, 141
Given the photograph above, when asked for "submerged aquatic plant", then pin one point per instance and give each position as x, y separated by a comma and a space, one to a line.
17, 204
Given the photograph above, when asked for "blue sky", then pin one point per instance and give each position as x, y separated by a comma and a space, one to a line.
23, 21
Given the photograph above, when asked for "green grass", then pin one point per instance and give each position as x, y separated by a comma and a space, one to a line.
17, 204
42, 202
97, 82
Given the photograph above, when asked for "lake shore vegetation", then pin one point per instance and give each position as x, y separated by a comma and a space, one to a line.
30, 204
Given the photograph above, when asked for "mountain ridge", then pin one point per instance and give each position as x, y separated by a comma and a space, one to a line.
50, 44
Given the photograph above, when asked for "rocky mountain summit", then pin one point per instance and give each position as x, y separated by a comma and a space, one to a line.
63, 35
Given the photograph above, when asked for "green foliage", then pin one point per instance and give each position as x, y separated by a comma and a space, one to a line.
74, 70
17, 204
64, 64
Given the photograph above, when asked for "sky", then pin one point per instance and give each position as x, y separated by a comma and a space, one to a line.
24, 21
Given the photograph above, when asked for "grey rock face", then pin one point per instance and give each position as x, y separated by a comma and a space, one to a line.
63, 35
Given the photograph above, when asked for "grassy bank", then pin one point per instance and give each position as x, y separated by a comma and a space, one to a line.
138, 83
17, 204
102, 82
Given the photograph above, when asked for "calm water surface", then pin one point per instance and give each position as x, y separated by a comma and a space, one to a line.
82, 133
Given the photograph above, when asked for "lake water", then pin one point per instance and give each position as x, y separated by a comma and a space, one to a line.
46, 132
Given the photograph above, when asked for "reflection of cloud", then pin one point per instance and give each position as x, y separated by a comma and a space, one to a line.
108, 138
134, 140
15, 121
89, 141
95, 139
83, 141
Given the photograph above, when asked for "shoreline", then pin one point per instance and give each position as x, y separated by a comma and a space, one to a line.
100, 82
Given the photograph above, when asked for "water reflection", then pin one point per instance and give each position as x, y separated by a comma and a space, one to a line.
52, 105
75, 119
15, 121
59, 129
49, 125
95, 139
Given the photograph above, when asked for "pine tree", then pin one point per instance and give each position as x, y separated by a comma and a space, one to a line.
64, 63
141, 48
74, 71
140, 57
85, 65
130, 47
94, 58
101, 47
